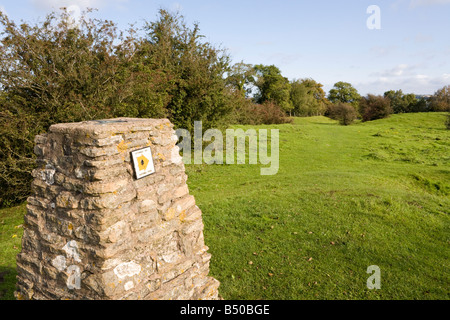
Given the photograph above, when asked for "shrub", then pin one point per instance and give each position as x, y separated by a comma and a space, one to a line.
440, 101
53, 72
447, 122
374, 107
243, 111
343, 112
401, 102
270, 113
247, 112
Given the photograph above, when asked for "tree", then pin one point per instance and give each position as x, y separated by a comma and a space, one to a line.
194, 71
374, 107
440, 101
420, 105
240, 76
54, 72
343, 112
315, 89
307, 97
272, 86
344, 92
400, 102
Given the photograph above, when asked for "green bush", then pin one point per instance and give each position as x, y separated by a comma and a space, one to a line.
53, 72
374, 107
440, 101
247, 112
343, 112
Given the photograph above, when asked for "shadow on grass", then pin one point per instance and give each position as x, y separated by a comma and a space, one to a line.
7, 283
325, 123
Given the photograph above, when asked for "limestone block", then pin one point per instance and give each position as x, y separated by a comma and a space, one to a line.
94, 231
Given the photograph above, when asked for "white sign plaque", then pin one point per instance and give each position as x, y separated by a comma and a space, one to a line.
142, 162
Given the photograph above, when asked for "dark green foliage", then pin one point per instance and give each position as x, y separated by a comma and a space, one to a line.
440, 101
421, 105
240, 77
307, 98
344, 92
55, 72
247, 112
195, 72
343, 112
400, 102
374, 107
403, 103
269, 113
272, 87
52, 73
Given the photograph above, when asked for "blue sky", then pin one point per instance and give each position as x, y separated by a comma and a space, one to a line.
326, 40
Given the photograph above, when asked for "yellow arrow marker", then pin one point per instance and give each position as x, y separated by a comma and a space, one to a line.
142, 162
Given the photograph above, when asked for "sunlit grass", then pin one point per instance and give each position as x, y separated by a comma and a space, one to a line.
345, 198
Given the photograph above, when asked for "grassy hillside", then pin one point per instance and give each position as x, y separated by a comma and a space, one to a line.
11, 230
345, 198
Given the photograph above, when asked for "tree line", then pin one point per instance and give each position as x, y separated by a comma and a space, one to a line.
347, 105
60, 71
306, 97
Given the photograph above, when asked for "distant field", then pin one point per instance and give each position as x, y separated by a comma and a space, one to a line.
345, 198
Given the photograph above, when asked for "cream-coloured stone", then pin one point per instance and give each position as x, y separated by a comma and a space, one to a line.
107, 186
127, 269
184, 203
147, 205
92, 231
115, 232
115, 139
66, 200
181, 191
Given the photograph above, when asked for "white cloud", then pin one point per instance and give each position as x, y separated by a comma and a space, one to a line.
423, 38
419, 3
176, 6
382, 51
56, 4
48, 5
396, 5
397, 71
416, 83
284, 58
410, 78
421, 77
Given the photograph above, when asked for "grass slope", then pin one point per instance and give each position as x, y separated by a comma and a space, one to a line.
11, 230
345, 198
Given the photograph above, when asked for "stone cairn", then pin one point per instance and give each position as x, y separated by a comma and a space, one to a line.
95, 231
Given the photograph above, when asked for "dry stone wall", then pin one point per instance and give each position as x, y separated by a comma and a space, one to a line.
95, 231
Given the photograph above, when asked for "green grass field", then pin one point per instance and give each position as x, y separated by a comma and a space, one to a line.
344, 198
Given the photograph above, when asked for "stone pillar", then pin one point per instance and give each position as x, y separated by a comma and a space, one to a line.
95, 231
